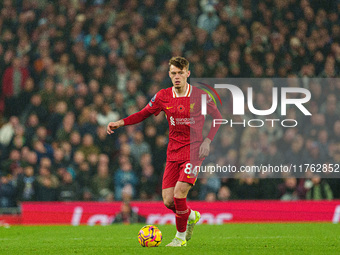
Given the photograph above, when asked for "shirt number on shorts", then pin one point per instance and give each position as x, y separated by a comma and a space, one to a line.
189, 169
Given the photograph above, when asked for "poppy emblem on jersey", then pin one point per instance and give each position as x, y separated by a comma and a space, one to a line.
180, 108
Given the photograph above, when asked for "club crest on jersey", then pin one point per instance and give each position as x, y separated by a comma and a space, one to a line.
180, 108
192, 107
209, 98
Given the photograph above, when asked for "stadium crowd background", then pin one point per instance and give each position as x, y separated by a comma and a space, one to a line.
67, 68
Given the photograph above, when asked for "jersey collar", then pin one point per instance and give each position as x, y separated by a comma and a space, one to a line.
187, 93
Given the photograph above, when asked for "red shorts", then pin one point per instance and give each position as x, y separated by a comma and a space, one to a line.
182, 171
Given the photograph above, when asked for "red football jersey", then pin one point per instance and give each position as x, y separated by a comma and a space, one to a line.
185, 120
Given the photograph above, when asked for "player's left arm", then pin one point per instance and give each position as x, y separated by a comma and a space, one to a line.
215, 114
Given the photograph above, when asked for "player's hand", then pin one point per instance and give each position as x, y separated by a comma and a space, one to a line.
114, 125
205, 148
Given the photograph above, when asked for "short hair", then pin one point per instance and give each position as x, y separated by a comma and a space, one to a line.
179, 62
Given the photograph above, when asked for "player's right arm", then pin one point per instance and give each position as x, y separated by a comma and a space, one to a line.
114, 125
130, 120
152, 108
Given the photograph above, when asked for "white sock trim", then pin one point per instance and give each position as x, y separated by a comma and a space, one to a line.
192, 215
181, 235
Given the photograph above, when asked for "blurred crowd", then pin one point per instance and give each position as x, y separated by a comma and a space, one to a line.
69, 67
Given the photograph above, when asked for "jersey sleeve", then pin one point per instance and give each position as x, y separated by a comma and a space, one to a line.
155, 105
137, 117
213, 111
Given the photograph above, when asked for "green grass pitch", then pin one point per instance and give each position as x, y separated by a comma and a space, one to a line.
296, 238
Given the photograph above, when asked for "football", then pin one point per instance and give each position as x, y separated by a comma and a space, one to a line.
149, 236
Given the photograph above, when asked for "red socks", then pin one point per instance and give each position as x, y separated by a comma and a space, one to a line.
182, 214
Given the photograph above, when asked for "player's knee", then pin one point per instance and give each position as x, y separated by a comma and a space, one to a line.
181, 190
169, 203
180, 194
